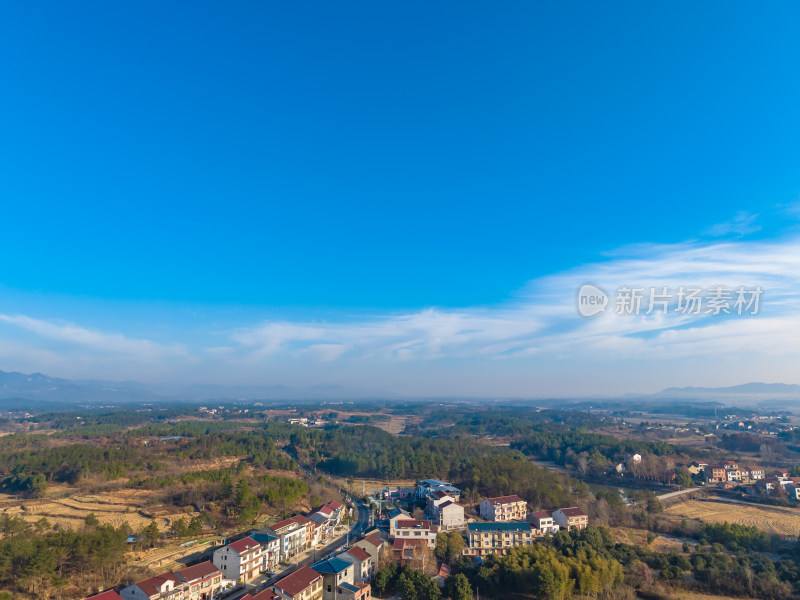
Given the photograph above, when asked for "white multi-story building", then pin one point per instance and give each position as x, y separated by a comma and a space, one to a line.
543, 521
416, 529
242, 560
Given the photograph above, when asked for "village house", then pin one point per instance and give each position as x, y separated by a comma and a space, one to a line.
733, 475
449, 516
432, 501
303, 584
202, 581
372, 545
543, 521
496, 538
715, 474
429, 486
272, 550
293, 535
362, 561
326, 518
161, 587
571, 518
416, 529
355, 591
395, 515
335, 572
504, 508
792, 487
242, 560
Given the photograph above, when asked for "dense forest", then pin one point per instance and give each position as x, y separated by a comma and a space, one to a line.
479, 468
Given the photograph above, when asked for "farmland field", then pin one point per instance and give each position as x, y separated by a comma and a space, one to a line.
113, 508
770, 519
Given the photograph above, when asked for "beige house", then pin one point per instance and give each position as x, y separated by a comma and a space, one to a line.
496, 538
361, 559
416, 529
202, 581
303, 584
372, 545
571, 518
504, 508
449, 516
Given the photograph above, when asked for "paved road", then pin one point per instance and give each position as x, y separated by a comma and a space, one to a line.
679, 493
357, 529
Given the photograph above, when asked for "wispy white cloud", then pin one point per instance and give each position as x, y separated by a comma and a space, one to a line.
108, 343
543, 321
742, 224
511, 348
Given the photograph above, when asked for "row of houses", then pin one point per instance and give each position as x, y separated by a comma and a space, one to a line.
264, 550
728, 471
345, 576
777, 480
199, 582
508, 523
242, 560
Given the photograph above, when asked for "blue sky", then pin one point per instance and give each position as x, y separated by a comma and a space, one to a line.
314, 193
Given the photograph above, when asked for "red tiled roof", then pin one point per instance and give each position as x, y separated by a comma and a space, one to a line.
243, 545
505, 499
107, 595
573, 511
152, 586
413, 524
542, 514
335, 505
440, 494
374, 540
401, 543
298, 581
359, 553
200, 571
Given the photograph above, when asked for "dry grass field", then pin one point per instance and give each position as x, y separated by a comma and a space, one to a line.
638, 537
114, 508
371, 486
770, 519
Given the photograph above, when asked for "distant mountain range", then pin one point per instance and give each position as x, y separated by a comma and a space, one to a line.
750, 390
36, 391
19, 391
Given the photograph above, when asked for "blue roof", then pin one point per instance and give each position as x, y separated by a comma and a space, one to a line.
263, 538
395, 512
498, 526
349, 587
331, 565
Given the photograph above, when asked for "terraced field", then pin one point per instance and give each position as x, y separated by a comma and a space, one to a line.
113, 508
